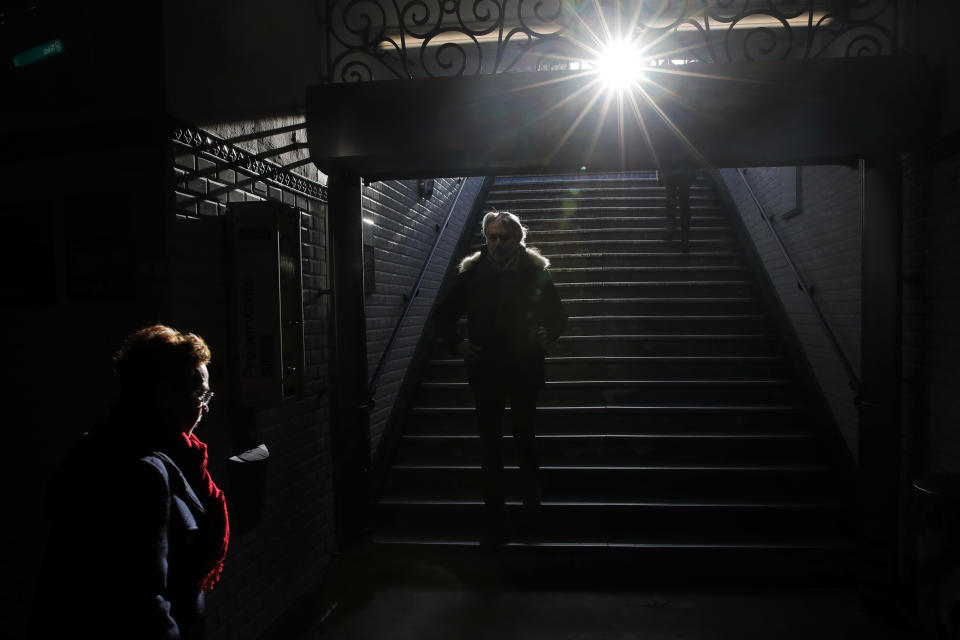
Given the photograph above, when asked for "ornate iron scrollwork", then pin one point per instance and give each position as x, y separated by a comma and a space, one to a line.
383, 39
376, 39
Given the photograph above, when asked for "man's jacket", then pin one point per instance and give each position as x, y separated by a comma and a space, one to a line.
504, 308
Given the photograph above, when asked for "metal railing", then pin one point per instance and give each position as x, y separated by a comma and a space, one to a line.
226, 155
802, 285
375, 379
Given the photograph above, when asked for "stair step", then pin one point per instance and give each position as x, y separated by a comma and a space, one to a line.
603, 273
653, 199
701, 213
617, 483
665, 324
587, 178
649, 232
653, 344
670, 259
577, 199
665, 345
614, 367
658, 249
697, 246
613, 547
556, 223
570, 505
712, 305
627, 391
561, 190
656, 288
622, 449
625, 522
552, 564
679, 418
712, 409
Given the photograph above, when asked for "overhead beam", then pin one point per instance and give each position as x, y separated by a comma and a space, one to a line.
733, 115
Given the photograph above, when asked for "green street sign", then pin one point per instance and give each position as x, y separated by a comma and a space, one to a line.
36, 54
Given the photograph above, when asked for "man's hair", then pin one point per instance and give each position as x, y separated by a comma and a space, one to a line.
510, 222
159, 355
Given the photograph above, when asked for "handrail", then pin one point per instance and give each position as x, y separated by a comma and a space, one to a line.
372, 388
851, 374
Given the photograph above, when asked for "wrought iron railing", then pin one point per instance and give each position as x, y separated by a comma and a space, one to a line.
802, 286
385, 39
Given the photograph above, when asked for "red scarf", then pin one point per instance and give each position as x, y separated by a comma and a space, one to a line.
216, 529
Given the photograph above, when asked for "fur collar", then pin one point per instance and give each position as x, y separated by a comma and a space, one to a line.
533, 258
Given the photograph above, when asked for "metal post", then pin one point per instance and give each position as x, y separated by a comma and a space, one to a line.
348, 359
880, 464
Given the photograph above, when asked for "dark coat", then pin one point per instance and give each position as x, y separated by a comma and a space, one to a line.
122, 559
504, 308
678, 177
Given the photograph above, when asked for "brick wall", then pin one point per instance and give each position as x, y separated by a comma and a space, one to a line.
289, 550
404, 229
931, 309
269, 568
823, 240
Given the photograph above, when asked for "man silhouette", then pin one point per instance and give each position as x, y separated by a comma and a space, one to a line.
677, 183
513, 314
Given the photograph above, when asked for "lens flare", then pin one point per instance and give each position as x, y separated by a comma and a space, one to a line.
620, 65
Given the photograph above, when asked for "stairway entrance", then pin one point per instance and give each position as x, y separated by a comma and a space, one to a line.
672, 432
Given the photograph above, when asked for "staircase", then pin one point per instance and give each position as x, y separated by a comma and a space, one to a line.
672, 433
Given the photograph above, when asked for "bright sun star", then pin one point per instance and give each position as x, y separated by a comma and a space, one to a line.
620, 65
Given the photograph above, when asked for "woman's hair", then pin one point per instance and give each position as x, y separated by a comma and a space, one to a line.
509, 220
160, 356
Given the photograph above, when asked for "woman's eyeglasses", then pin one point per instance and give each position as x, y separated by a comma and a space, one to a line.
206, 398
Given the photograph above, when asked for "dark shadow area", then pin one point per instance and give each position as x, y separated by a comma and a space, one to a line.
372, 596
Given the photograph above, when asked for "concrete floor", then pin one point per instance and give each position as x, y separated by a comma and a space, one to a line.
415, 600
